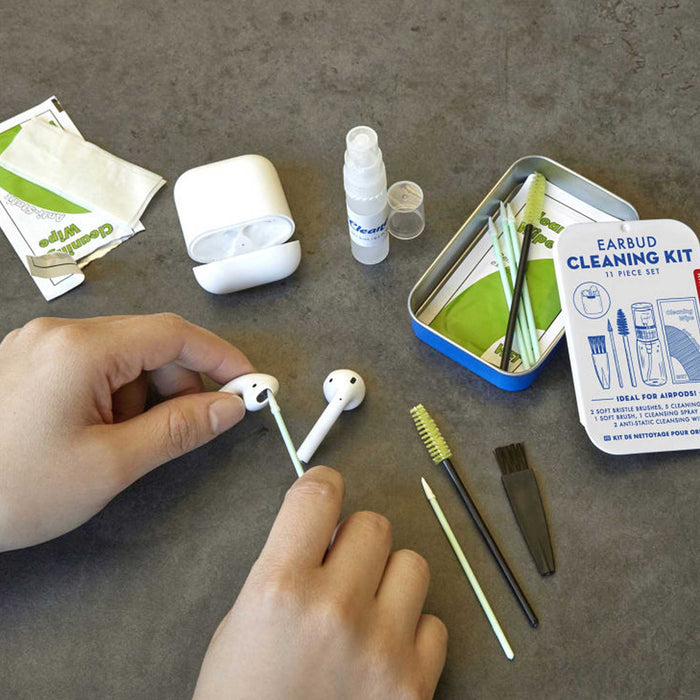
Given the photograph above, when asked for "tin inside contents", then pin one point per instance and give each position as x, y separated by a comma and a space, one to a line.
469, 307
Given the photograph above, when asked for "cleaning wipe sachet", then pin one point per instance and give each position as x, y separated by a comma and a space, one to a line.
37, 220
83, 172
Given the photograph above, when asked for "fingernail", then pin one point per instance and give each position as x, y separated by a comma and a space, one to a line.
225, 413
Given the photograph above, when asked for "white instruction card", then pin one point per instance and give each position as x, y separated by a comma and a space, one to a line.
37, 221
630, 296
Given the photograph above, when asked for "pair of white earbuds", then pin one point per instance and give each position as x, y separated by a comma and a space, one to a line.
343, 389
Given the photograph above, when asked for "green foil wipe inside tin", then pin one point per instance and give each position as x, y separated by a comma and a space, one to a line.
477, 317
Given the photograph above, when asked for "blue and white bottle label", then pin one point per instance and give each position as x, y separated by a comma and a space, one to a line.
367, 230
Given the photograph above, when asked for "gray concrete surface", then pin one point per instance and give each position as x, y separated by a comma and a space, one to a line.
124, 607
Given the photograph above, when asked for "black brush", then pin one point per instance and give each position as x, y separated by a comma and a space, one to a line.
524, 496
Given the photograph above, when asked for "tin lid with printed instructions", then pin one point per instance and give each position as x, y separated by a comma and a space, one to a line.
630, 298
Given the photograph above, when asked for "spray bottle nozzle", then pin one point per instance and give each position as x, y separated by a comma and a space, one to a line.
362, 146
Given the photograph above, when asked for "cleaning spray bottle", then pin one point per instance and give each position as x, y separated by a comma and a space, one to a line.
364, 177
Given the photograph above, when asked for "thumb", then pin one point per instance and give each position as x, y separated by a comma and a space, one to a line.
172, 428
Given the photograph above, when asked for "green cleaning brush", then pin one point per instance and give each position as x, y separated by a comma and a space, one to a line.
430, 434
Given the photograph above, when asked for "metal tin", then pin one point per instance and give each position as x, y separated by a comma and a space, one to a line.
468, 235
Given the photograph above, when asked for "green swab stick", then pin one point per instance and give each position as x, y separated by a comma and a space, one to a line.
467, 570
525, 352
274, 407
512, 250
508, 223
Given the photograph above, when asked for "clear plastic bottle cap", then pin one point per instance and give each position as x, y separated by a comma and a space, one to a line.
406, 216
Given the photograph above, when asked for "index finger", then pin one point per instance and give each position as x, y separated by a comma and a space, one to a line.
307, 520
138, 343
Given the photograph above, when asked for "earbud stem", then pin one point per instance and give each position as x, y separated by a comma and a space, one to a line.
320, 430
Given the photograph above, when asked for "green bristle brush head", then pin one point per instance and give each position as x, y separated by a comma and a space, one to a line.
535, 200
430, 434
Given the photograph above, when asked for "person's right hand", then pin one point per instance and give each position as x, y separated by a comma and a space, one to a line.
312, 622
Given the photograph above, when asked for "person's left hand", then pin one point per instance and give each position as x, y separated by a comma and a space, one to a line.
73, 429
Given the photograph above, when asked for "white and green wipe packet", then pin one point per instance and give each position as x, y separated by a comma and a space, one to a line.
48, 213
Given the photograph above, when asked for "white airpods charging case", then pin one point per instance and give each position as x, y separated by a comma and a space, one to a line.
235, 219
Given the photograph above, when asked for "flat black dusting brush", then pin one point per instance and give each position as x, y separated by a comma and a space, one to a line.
524, 496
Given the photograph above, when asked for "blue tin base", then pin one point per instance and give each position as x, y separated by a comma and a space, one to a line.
503, 380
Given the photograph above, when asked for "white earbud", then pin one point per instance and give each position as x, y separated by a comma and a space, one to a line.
344, 390
252, 388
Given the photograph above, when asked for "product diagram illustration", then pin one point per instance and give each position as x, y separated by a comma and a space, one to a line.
680, 324
666, 345
652, 368
591, 300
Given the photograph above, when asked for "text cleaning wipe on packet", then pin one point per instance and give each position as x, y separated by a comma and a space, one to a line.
630, 295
